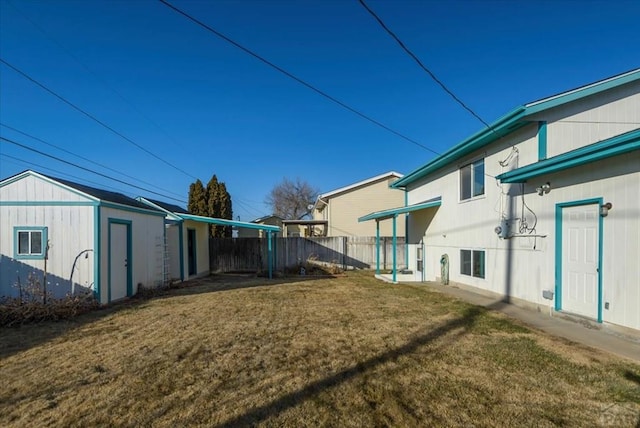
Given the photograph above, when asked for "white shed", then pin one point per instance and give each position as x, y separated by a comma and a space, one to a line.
77, 238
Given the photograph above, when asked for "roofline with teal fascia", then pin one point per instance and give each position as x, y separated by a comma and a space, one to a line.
498, 129
514, 120
614, 146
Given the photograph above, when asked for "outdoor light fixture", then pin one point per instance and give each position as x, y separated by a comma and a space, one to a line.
545, 188
604, 209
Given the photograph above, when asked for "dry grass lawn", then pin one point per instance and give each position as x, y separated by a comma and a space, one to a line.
347, 351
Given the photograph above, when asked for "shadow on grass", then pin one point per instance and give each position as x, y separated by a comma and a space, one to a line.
18, 338
634, 377
293, 399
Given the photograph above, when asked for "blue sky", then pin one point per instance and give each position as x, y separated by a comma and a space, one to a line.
206, 107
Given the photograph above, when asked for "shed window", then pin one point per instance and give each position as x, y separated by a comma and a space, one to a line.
472, 263
30, 242
472, 180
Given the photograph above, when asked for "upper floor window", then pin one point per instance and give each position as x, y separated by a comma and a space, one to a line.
30, 242
472, 180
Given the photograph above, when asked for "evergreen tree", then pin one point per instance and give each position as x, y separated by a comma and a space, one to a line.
197, 199
213, 205
226, 209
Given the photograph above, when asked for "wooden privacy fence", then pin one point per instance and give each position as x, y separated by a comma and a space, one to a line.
348, 252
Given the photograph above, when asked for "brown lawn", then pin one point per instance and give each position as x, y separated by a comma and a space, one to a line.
347, 351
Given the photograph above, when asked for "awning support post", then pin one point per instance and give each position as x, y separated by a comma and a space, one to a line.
270, 256
377, 247
395, 243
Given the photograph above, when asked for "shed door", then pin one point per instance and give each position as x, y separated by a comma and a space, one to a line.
119, 265
191, 251
580, 260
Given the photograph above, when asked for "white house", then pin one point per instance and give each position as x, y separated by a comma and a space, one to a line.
543, 207
76, 237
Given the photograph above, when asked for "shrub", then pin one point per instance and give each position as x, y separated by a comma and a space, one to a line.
35, 304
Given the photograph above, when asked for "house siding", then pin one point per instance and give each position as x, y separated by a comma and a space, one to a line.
522, 267
147, 248
344, 210
69, 232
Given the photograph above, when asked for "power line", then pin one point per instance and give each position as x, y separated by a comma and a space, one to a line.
87, 169
90, 116
417, 60
293, 77
95, 75
82, 157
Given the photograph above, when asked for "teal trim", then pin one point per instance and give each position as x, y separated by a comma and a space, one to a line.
406, 229
224, 222
501, 127
131, 209
269, 255
512, 121
558, 250
394, 249
48, 203
542, 140
381, 215
584, 91
181, 248
129, 258
377, 247
44, 238
614, 146
30, 173
97, 239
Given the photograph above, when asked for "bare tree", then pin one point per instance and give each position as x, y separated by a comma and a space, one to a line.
290, 199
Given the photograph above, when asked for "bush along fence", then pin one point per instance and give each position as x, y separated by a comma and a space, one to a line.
345, 252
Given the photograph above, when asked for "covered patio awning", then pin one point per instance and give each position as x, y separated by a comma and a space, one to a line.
381, 215
222, 222
393, 214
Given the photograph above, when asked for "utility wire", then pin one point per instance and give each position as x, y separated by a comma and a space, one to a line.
95, 75
417, 60
292, 76
90, 116
82, 157
86, 169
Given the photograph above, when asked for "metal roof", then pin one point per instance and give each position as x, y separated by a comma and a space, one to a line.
381, 215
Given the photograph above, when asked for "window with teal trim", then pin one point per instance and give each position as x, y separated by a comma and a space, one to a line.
472, 263
472, 180
30, 242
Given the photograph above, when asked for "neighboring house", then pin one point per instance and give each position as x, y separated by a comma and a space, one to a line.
546, 201
187, 242
341, 208
304, 228
271, 220
77, 237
